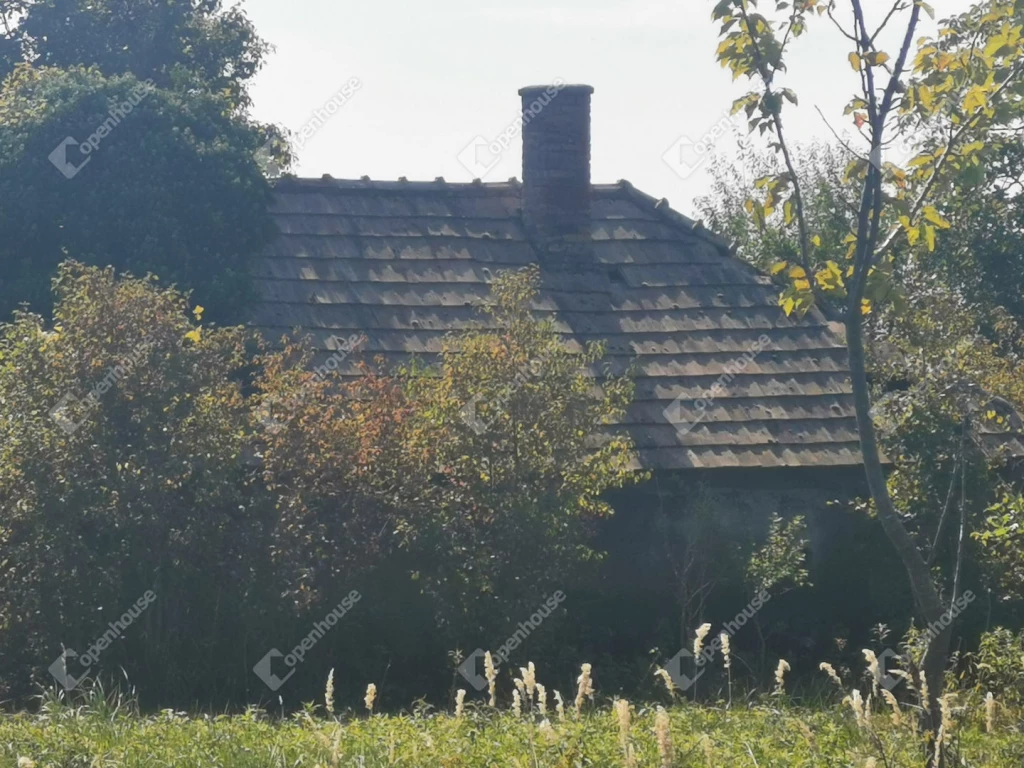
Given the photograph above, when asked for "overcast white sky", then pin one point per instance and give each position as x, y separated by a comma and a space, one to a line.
435, 74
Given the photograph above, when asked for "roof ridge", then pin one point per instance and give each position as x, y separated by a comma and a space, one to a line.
327, 182
663, 210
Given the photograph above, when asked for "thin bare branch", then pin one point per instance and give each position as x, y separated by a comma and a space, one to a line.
896, 8
838, 138
839, 26
945, 510
961, 541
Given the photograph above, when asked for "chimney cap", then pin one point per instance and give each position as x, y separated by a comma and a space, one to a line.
529, 90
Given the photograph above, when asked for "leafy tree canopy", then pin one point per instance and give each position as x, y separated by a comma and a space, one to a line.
184, 45
485, 472
121, 429
111, 171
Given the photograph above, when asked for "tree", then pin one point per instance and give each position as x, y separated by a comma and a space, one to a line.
830, 198
482, 475
337, 454
122, 427
180, 45
112, 171
954, 95
525, 452
950, 347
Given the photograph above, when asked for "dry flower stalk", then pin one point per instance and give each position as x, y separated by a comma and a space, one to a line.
329, 692
371, 696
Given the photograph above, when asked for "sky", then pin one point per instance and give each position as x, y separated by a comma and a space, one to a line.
408, 85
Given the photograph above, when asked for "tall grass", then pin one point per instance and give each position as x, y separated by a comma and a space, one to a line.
103, 728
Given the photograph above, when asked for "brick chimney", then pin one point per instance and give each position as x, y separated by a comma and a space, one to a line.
556, 164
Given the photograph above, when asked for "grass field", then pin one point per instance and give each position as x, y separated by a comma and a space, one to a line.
104, 732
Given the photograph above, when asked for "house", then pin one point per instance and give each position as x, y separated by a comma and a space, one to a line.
725, 380
739, 410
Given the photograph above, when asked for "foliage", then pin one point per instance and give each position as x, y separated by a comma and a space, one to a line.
998, 665
172, 189
106, 729
142, 450
523, 449
121, 430
483, 472
828, 198
337, 454
781, 559
963, 90
181, 46
1003, 534
951, 103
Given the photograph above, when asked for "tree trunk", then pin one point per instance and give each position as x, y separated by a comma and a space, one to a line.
926, 597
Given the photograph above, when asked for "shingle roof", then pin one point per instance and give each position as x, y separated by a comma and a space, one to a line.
404, 262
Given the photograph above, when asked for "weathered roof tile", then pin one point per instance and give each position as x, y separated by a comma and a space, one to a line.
404, 262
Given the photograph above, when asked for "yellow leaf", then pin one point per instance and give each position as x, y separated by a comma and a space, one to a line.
802, 284
195, 335
976, 99
929, 236
778, 266
816, 241
932, 215
865, 306
797, 272
927, 97
788, 305
855, 61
